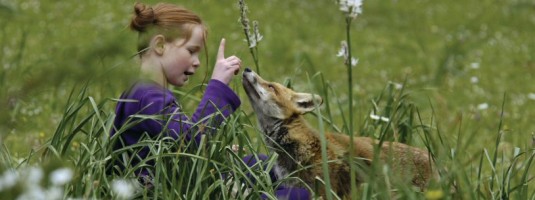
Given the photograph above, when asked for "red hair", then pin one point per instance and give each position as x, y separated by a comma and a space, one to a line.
170, 20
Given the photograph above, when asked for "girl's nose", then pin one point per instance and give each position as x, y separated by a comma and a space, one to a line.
196, 62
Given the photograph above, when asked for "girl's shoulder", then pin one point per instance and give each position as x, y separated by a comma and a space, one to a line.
142, 89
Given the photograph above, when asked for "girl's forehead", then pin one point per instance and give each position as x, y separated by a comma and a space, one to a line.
197, 38
198, 34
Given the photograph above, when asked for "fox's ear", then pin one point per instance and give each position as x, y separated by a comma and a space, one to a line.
307, 102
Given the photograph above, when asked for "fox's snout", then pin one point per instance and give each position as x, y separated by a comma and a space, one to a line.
249, 77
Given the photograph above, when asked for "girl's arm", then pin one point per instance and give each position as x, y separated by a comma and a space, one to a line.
218, 101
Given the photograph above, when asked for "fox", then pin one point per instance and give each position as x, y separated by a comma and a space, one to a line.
280, 111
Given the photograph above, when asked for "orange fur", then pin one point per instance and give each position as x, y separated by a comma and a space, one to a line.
279, 111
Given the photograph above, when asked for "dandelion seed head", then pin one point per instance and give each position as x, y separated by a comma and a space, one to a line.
61, 176
531, 96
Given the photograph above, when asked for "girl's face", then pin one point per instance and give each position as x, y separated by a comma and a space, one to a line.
180, 60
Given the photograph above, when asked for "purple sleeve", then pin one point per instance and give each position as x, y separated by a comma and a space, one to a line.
218, 98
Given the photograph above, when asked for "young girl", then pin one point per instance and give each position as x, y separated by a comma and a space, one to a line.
170, 41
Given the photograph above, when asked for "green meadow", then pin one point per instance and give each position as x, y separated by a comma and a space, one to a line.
453, 77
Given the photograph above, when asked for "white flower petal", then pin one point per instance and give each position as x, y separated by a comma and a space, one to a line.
483, 106
123, 188
377, 117
474, 65
354, 61
8, 179
61, 176
474, 79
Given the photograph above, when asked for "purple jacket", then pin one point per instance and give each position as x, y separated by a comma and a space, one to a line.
152, 109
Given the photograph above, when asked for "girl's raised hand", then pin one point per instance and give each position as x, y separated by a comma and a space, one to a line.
225, 68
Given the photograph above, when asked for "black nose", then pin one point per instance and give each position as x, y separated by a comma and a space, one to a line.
247, 69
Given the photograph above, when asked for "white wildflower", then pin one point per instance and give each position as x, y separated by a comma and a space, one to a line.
474, 79
235, 148
343, 52
483, 106
531, 96
123, 188
54, 193
243, 15
377, 117
61, 176
255, 37
474, 65
516, 152
351, 7
354, 61
397, 86
33, 193
236, 187
8, 179
256, 32
34, 175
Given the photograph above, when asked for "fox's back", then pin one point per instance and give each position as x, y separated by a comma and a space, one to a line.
406, 161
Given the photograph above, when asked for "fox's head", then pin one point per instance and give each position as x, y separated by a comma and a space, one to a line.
274, 101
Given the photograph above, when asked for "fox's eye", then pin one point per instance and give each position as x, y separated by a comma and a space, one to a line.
271, 87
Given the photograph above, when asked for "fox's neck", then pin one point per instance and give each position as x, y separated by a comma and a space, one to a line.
277, 130
292, 150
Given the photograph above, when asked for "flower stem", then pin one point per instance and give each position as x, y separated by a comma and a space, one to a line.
350, 110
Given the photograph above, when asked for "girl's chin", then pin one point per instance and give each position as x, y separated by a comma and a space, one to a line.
179, 82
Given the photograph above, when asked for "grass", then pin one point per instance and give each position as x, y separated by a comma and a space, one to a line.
464, 71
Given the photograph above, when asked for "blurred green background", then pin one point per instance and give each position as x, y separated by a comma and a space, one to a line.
459, 58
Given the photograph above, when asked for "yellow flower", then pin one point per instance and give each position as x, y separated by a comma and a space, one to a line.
434, 194
75, 145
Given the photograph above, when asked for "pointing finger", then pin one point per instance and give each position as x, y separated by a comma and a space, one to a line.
221, 51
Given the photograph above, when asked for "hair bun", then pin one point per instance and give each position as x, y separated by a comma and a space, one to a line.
143, 17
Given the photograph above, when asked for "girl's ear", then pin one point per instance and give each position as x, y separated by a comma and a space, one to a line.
157, 44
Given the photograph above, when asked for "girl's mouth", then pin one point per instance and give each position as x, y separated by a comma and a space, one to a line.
188, 73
